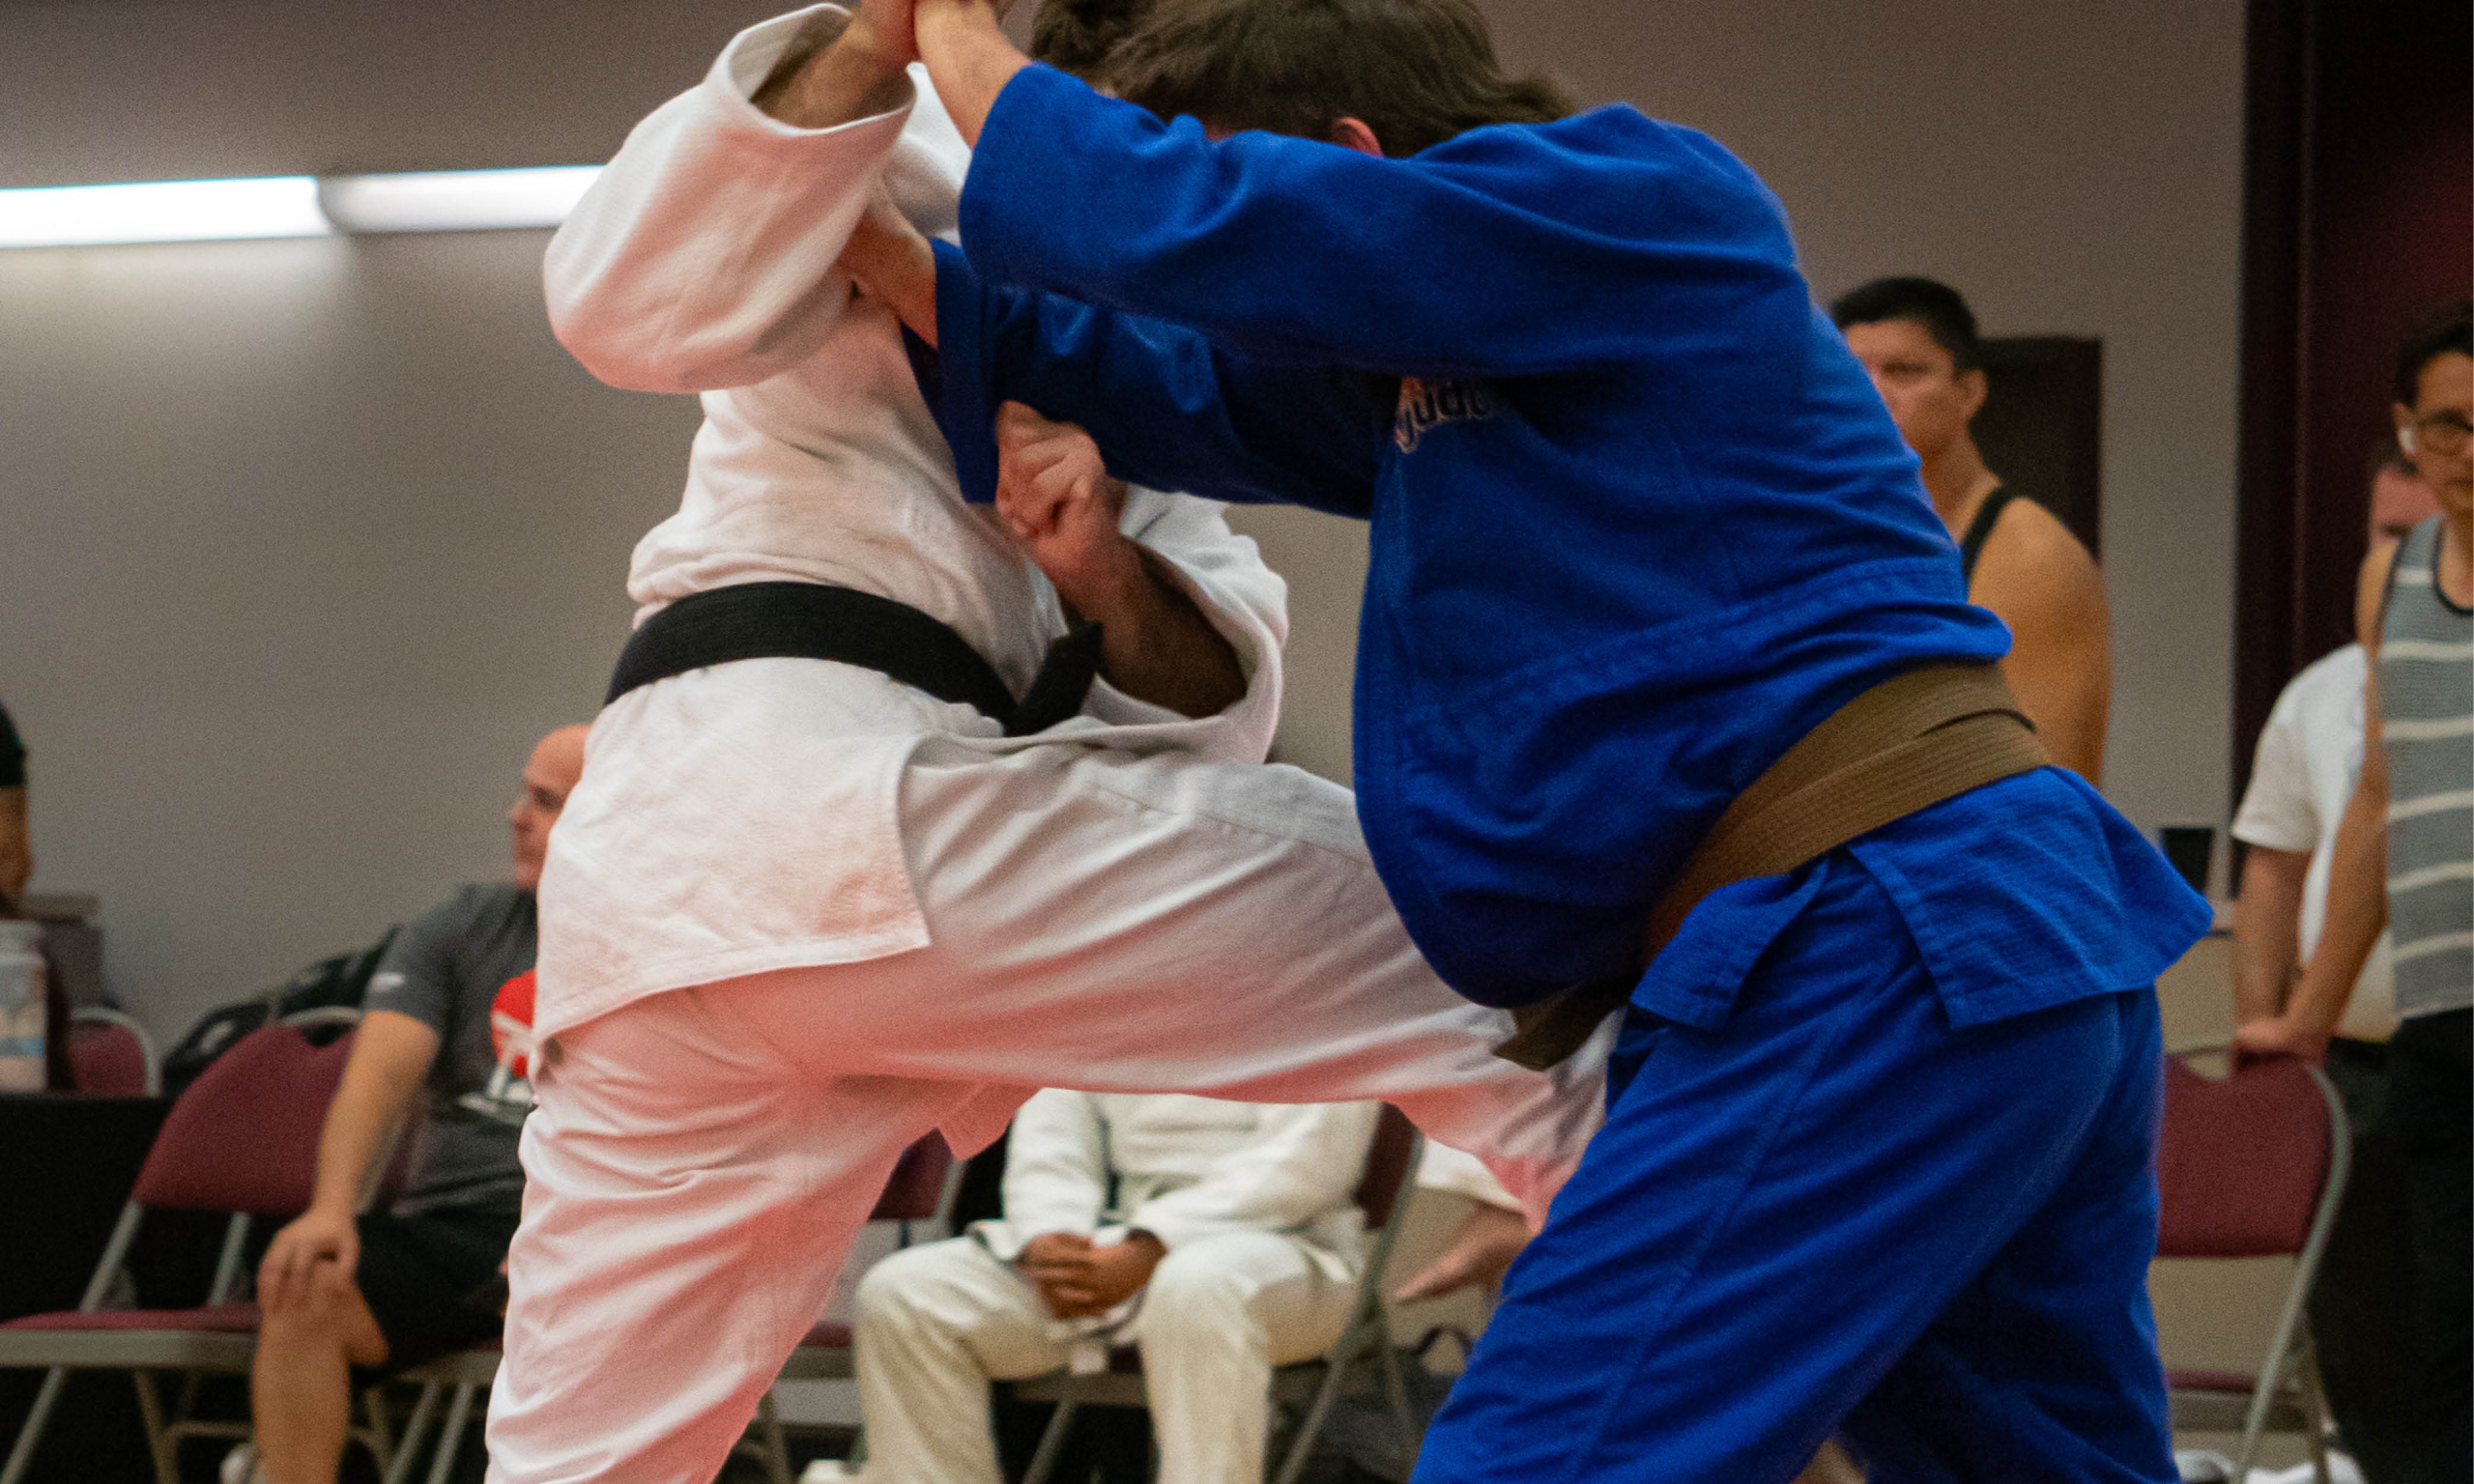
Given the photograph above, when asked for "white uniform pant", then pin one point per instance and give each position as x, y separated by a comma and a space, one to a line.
937, 1322
699, 1160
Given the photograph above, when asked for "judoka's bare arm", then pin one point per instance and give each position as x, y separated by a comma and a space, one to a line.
1057, 497
970, 56
827, 79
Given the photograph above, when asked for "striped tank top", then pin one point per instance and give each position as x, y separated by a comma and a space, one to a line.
2426, 717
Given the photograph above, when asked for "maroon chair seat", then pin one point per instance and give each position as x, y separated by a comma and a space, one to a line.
220, 1318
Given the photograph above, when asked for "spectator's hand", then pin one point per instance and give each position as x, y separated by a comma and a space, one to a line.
1480, 1249
1077, 1278
2280, 1036
318, 1248
1053, 493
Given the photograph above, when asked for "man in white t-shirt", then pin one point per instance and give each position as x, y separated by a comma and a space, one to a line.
2301, 777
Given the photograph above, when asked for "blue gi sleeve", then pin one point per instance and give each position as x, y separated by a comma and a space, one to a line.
1168, 408
1503, 251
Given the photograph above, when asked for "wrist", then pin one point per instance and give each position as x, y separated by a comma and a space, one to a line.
1112, 585
866, 51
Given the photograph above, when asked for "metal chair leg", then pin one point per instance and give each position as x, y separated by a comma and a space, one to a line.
159, 1444
450, 1437
775, 1448
21, 1453
399, 1466
1334, 1370
1051, 1443
1395, 1390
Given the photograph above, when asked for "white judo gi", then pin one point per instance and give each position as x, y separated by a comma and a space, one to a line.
796, 915
1264, 1255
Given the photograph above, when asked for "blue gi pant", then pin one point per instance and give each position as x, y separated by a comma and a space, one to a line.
1835, 1213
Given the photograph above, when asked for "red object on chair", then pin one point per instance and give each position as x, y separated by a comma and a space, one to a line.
2253, 1165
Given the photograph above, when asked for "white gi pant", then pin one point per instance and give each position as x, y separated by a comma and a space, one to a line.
699, 1160
937, 1322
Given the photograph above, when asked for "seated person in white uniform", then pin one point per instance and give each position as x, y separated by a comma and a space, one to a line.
1219, 1238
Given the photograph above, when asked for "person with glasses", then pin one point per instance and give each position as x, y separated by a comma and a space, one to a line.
2405, 859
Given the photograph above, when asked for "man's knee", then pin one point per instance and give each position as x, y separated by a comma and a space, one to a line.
1193, 1296
331, 1316
910, 1291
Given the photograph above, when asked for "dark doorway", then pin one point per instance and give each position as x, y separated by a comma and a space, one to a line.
2358, 220
2041, 427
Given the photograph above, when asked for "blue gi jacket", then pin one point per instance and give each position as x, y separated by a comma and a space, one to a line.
1639, 520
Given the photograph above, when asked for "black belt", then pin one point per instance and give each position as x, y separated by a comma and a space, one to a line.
818, 621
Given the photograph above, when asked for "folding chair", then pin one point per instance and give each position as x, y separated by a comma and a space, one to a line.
2253, 1164
243, 1140
109, 1055
1390, 1159
918, 1190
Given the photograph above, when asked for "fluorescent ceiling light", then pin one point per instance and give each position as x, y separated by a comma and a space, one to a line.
161, 212
455, 200
290, 206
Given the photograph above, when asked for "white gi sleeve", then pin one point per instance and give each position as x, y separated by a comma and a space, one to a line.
1447, 1169
2277, 810
1244, 599
1056, 1172
704, 255
1304, 1164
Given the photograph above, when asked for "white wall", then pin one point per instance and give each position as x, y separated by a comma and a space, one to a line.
301, 543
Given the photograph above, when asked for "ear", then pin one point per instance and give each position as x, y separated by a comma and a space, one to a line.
2404, 417
1973, 385
1356, 134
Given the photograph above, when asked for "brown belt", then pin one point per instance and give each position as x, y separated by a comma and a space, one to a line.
1907, 743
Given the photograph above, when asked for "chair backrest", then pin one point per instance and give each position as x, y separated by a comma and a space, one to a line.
243, 1138
915, 1190
1390, 1159
108, 1055
2243, 1159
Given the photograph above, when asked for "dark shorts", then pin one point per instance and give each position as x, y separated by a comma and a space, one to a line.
432, 1281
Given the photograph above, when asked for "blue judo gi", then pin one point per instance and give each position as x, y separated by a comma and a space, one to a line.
1878, 1155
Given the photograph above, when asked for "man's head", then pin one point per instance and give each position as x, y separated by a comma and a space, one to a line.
2400, 500
1077, 36
2435, 408
1388, 76
550, 775
1918, 339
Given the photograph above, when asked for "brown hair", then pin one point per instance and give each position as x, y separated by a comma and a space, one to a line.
1415, 72
1075, 35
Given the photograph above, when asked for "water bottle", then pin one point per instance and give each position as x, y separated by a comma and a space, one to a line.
21, 1006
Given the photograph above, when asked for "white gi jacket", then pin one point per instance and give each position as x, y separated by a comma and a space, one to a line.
1185, 1168
742, 819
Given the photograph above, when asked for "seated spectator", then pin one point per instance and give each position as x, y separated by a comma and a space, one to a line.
16, 855
1219, 1238
1918, 340
421, 1278
2309, 757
